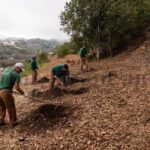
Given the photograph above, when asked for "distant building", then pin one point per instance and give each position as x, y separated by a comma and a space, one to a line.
5, 43
12, 43
8, 43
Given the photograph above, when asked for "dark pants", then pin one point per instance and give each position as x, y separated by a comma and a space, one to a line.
7, 102
34, 76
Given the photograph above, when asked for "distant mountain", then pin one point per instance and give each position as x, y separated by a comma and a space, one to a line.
38, 44
35, 45
14, 49
9, 55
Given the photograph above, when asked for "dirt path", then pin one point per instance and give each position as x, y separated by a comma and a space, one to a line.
110, 110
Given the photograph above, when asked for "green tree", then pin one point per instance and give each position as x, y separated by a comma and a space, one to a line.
64, 49
109, 24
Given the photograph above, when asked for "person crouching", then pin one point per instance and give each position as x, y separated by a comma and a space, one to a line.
59, 73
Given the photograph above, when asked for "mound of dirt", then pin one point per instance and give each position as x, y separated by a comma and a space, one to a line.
44, 117
56, 92
72, 80
79, 91
43, 80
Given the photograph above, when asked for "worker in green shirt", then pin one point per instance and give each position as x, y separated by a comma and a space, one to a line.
59, 73
34, 68
10, 78
83, 57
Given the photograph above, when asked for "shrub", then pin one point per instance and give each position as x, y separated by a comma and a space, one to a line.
42, 57
27, 69
62, 50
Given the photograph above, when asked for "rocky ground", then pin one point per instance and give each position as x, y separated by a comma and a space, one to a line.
109, 110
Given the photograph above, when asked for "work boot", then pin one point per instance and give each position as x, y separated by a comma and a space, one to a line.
14, 124
3, 124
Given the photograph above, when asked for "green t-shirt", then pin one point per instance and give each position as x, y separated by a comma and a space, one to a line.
83, 52
33, 64
57, 71
9, 78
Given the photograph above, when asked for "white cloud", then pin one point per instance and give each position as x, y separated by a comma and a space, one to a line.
31, 18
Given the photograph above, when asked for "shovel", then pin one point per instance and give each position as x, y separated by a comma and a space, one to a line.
30, 97
62, 85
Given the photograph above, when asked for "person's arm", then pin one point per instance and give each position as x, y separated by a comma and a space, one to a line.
86, 53
58, 80
81, 53
17, 87
31, 64
68, 72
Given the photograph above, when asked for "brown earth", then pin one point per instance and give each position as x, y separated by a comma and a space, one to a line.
109, 110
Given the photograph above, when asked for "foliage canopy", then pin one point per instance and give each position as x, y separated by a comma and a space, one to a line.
109, 24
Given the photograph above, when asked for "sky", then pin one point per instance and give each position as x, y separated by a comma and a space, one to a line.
31, 19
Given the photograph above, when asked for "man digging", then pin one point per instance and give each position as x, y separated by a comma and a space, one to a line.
10, 78
59, 73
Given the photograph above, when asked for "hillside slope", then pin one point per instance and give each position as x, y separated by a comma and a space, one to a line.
110, 110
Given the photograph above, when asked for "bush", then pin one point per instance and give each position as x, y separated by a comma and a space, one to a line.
63, 50
42, 57
27, 69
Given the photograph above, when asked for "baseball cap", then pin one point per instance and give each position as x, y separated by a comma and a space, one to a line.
20, 65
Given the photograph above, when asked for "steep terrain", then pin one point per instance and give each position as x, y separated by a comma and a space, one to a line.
109, 110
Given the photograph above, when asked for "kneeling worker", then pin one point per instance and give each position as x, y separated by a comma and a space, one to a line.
59, 73
10, 78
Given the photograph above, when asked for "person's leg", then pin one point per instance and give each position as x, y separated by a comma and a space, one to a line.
2, 112
36, 74
10, 106
52, 81
82, 64
86, 65
33, 76
63, 79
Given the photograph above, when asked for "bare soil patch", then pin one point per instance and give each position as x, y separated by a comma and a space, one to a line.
45, 117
